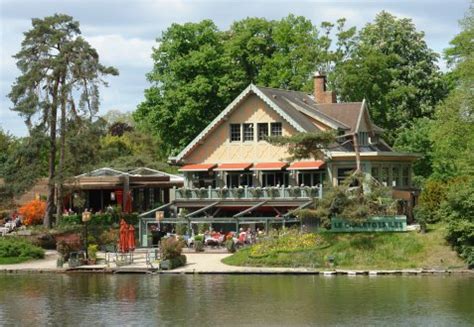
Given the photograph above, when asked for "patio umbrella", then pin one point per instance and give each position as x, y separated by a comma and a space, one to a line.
131, 238
123, 236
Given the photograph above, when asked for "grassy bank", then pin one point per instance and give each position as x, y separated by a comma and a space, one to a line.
16, 250
353, 251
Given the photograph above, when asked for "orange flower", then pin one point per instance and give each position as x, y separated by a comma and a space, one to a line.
33, 212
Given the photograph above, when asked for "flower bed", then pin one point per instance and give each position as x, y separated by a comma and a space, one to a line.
287, 243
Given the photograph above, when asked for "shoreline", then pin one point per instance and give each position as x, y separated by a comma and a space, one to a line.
238, 271
210, 264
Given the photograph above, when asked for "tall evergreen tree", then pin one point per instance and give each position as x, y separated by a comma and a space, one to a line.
54, 62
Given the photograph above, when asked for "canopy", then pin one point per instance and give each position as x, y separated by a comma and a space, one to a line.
233, 166
269, 166
197, 167
306, 165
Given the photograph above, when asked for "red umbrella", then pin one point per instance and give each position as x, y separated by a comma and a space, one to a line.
123, 236
131, 238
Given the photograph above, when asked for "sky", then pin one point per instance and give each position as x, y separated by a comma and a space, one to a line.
124, 32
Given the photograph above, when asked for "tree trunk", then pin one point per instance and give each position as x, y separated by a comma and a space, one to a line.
62, 149
48, 217
357, 152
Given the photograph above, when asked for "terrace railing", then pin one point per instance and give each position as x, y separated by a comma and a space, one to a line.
236, 193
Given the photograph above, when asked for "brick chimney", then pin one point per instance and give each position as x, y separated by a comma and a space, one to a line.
322, 96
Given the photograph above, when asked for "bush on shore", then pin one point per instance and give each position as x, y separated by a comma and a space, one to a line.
14, 250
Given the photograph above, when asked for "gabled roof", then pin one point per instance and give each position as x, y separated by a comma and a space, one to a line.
299, 109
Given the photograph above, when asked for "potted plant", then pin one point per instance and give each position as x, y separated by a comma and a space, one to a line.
238, 192
199, 243
92, 252
256, 192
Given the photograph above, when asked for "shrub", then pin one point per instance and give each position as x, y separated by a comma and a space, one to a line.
171, 248
431, 197
19, 248
33, 212
92, 250
109, 237
65, 248
458, 210
173, 263
230, 245
199, 245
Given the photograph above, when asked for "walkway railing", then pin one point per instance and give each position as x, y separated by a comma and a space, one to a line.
266, 193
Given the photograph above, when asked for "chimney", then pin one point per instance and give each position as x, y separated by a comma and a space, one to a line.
322, 96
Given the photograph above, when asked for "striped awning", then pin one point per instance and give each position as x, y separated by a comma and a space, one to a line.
306, 165
233, 166
197, 167
269, 166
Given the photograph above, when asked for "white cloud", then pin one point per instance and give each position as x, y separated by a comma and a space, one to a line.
120, 51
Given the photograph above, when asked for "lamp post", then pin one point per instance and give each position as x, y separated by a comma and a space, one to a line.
86, 216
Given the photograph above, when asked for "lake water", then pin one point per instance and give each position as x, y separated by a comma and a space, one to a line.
232, 300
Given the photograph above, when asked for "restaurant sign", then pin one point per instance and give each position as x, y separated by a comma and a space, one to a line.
373, 224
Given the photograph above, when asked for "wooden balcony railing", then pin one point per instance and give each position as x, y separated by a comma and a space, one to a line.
272, 192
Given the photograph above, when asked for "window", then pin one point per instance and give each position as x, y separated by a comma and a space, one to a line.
234, 132
203, 179
343, 173
276, 129
363, 138
374, 139
376, 173
262, 129
384, 177
248, 132
237, 179
310, 178
396, 176
406, 176
275, 178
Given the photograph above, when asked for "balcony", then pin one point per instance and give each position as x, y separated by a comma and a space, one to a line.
249, 193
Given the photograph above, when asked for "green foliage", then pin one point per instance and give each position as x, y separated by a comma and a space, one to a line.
92, 250
355, 203
432, 195
359, 251
305, 145
171, 248
458, 211
15, 247
230, 246
416, 139
391, 67
105, 219
198, 69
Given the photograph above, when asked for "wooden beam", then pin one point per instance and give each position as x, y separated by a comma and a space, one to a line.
201, 210
249, 209
304, 205
156, 209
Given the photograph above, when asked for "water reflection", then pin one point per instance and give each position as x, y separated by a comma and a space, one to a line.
39, 299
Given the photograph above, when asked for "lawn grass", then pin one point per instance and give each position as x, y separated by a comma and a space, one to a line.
13, 260
363, 251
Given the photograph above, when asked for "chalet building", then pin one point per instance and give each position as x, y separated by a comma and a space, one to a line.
231, 174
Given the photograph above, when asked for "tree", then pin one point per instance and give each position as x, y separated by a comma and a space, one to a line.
305, 145
453, 125
188, 83
394, 70
416, 139
199, 70
55, 64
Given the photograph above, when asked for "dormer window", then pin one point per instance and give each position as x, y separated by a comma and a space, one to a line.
363, 138
374, 139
